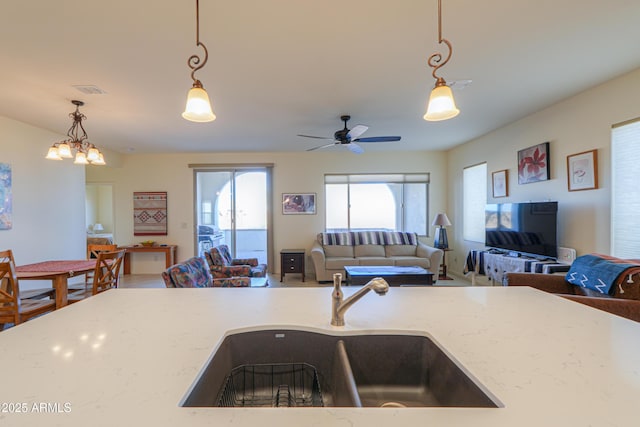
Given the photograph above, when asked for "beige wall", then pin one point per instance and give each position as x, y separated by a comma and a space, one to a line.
577, 124
48, 197
293, 172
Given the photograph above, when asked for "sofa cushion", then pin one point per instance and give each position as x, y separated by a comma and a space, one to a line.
400, 250
336, 239
384, 238
408, 261
374, 260
338, 251
339, 263
368, 250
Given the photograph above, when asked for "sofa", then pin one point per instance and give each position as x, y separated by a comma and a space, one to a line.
331, 252
557, 284
586, 277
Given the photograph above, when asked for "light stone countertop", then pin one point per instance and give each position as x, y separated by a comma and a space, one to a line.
128, 356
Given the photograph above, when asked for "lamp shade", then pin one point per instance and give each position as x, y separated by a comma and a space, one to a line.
198, 107
98, 227
81, 159
441, 105
442, 220
52, 154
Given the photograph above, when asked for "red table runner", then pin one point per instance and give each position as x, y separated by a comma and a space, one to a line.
55, 266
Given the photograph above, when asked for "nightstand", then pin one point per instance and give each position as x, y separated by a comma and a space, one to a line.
291, 261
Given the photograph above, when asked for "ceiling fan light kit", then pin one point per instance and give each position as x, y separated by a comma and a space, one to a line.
441, 105
198, 108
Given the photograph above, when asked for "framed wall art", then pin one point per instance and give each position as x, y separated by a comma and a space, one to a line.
582, 171
6, 209
150, 213
533, 164
299, 203
500, 183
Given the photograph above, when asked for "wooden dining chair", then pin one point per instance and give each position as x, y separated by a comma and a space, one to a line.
12, 308
92, 253
50, 292
105, 275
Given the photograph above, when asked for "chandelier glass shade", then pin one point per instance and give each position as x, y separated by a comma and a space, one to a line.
85, 152
441, 105
198, 108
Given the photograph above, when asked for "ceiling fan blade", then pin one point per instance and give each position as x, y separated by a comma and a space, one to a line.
321, 146
355, 148
357, 131
378, 139
315, 137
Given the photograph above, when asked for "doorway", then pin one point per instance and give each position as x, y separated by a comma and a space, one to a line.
99, 210
232, 208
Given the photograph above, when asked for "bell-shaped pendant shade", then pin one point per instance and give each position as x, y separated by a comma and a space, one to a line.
198, 106
93, 154
100, 161
64, 151
52, 154
441, 104
81, 159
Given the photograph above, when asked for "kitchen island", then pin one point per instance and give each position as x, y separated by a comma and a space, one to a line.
128, 356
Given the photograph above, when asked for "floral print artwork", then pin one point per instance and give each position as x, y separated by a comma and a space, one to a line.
533, 164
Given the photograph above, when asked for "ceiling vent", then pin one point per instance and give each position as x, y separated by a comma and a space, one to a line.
89, 89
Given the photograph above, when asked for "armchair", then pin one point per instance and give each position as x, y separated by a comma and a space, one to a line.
222, 265
193, 273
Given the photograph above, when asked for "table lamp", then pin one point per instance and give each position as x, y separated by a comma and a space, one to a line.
97, 228
440, 238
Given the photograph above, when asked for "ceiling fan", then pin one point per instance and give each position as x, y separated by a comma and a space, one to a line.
350, 137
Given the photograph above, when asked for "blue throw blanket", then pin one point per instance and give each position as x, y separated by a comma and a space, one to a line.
597, 273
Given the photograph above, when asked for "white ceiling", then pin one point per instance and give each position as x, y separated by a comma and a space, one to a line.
282, 67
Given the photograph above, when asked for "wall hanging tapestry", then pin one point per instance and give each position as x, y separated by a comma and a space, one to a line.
533, 164
5, 196
150, 213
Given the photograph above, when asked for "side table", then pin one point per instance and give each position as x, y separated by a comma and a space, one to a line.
443, 274
291, 261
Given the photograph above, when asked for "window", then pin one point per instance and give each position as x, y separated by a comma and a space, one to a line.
625, 193
395, 202
474, 189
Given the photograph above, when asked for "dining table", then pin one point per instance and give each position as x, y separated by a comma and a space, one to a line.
58, 272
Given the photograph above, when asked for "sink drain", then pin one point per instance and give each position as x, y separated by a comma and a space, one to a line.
393, 405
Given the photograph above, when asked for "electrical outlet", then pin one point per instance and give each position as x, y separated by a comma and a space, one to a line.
566, 255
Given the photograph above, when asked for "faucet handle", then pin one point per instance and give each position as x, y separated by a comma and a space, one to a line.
337, 279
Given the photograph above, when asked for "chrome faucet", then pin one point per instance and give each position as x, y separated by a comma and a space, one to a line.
339, 307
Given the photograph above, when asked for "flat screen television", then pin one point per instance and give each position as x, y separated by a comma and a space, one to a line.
529, 228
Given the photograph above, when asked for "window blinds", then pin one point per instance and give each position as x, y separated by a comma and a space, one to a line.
625, 190
474, 189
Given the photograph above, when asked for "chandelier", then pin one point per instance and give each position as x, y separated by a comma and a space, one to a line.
198, 107
441, 104
85, 152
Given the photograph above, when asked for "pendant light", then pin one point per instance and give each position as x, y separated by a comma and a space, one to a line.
86, 152
441, 104
198, 107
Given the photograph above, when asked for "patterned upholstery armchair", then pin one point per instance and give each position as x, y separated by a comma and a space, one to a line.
222, 265
193, 273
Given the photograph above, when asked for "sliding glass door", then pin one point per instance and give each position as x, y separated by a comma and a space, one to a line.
232, 207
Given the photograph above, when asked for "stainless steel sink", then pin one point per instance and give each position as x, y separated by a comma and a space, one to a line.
317, 369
